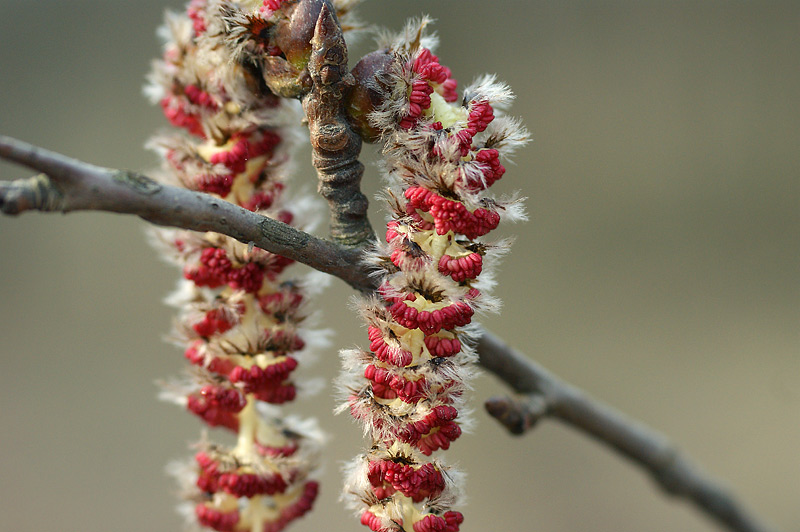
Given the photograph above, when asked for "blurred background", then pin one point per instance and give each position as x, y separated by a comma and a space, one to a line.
659, 269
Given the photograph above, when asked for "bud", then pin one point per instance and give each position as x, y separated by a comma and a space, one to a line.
369, 92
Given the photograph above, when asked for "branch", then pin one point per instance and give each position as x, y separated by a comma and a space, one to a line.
545, 395
74, 185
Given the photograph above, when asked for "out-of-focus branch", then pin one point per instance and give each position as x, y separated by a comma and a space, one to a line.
74, 185
544, 395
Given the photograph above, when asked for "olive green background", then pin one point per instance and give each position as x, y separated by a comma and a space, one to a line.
659, 269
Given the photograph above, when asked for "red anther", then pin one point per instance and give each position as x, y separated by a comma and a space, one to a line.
216, 519
391, 231
457, 314
195, 11
213, 269
480, 115
444, 413
434, 431
417, 483
453, 520
275, 452
212, 323
214, 184
489, 163
234, 158
383, 352
463, 138
439, 439
451, 215
257, 379
207, 477
449, 89
277, 395
461, 268
178, 116
249, 484
430, 523
269, 6
285, 217
372, 521
297, 509
249, 278
442, 347
259, 200
280, 304
425, 57
200, 97
193, 354
217, 406
222, 365
388, 386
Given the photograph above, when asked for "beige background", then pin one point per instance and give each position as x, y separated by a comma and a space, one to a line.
659, 270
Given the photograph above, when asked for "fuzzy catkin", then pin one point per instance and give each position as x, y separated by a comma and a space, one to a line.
408, 389
242, 313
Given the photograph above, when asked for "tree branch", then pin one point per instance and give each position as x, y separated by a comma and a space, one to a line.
545, 395
71, 185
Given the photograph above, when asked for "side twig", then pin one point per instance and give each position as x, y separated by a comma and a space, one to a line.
74, 185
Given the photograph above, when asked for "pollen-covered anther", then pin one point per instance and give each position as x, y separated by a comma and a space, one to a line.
451, 215
461, 268
386, 353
